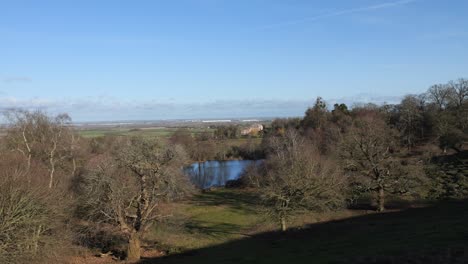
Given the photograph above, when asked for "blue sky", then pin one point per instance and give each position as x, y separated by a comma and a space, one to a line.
116, 60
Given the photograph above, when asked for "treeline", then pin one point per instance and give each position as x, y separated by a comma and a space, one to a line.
333, 158
224, 143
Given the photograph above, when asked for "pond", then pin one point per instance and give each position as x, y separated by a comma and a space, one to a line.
216, 173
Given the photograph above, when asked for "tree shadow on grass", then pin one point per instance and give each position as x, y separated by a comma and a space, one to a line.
213, 230
393, 204
236, 199
437, 232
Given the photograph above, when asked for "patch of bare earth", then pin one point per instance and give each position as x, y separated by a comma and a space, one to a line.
90, 260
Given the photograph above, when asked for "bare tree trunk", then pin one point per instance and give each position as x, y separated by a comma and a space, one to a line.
51, 173
381, 200
283, 224
133, 249
28, 162
74, 167
28, 168
72, 148
28, 147
52, 165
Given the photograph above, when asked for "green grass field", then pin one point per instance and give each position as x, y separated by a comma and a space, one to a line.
208, 219
221, 216
225, 226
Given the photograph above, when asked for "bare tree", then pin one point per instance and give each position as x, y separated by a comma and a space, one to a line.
54, 138
20, 136
128, 189
458, 98
41, 137
74, 151
458, 92
298, 179
410, 119
439, 95
369, 154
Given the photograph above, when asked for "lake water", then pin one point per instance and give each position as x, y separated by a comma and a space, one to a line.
216, 173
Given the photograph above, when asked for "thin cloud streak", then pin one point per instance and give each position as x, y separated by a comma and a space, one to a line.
338, 13
14, 79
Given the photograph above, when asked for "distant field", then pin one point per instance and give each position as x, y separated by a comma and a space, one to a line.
163, 132
148, 132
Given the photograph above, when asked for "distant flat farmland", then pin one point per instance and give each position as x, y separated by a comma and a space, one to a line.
149, 132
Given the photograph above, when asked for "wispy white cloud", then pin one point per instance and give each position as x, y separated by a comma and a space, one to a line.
338, 13
445, 34
364, 98
14, 79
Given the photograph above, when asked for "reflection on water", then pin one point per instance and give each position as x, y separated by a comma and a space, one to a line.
216, 173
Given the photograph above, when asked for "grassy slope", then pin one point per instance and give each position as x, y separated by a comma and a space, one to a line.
215, 226
208, 219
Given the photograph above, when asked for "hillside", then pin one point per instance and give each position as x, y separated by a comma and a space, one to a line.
435, 234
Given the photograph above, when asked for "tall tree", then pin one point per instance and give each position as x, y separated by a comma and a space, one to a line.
20, 134
410, 119
55, 142
297, 178
439, 95
368, 151
129, 189
458, 98
316, 116
39, 136
458, 92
